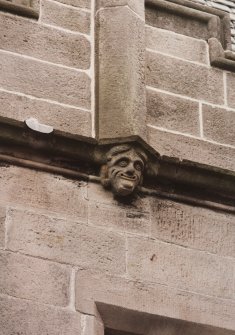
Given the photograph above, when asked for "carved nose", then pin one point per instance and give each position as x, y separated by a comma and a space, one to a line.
130, 170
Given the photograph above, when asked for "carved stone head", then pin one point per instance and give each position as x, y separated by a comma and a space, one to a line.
124, 169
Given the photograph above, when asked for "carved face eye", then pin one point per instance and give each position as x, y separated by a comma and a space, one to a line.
123, 163
138, 166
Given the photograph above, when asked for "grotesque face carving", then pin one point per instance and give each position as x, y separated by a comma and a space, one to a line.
124, 169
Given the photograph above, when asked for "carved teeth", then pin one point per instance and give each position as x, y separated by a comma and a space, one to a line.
128, 177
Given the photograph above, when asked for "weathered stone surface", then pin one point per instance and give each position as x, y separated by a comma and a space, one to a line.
152, 298
44, 80
167, 111
219, 124
43, 42
2, 226
192, 149
27, 3
66, 241
25, 187
23, 317
98, 194
34, 279
186, 269
70, 120
119, 218
230, 88
136, 5
92, 325
182, 77
177, 45
77, 3
120, 53
21, 2
201, 229
182, 24
66, 17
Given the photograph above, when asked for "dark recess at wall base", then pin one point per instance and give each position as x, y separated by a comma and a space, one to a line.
122, 321
116, 332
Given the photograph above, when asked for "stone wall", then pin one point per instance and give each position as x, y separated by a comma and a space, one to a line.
75, 259
227, 6
46, 66
65, 245
190, 104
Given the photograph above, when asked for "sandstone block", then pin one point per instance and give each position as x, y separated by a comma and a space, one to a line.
181, 77
228, 243
186, 269
230, 89
66, 241
172, 20
219, 124
91, 325
23, 317
97, 194
177, 45
170, 112
21, 2
152, 298
77, 3
192, 149
27, 3
121, 219
65, 17
44, 80
70, 120
186, 225
50, 193
2, 226
120, 52
136, 5
40, 41
34, 279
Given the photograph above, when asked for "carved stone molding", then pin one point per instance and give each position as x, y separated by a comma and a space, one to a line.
83, 158
27, 8
203, 22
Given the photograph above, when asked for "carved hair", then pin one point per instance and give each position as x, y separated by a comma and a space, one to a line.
119, 149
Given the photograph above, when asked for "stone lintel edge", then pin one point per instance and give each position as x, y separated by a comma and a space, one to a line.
218, 28
80, 157
21, 10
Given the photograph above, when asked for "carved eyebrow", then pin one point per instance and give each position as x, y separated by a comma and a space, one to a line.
123, 158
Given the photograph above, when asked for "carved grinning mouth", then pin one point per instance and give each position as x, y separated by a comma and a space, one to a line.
130, 178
